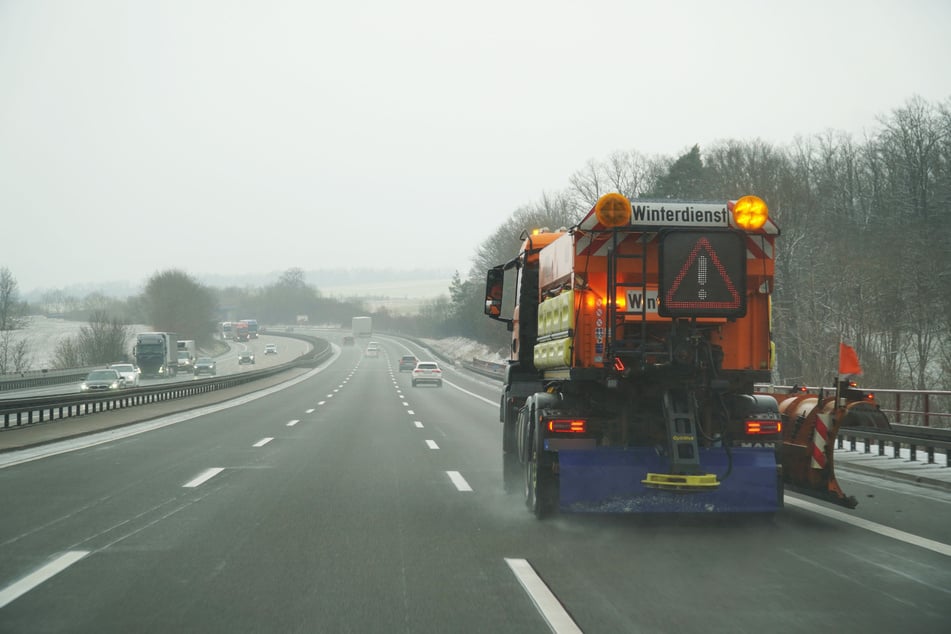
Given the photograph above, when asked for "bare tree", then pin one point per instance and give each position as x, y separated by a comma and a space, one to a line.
12, 310
628, 173
16, 353
103, 340
67, 354
588, 184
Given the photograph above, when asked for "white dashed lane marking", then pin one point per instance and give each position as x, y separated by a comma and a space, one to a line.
19, 588
459, 481
205, 476
263, 442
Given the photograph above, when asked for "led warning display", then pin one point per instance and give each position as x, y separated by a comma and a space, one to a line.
702, 274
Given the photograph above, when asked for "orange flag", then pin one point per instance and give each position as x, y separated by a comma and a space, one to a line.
848, 361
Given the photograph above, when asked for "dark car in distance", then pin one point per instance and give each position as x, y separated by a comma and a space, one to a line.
245, 357
206, 365
408, 362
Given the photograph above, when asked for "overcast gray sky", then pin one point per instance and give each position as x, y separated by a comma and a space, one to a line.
224, 136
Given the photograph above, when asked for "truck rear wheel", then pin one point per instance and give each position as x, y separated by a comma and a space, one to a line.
541, 492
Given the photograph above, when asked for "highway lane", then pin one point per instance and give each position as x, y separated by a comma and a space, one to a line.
227, 363
375, 506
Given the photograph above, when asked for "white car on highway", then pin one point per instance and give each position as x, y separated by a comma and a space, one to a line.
427, 372
128, 372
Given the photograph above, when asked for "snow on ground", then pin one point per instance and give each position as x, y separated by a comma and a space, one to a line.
460, 349
44, 334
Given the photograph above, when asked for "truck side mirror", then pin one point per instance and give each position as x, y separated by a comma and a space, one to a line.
493, 293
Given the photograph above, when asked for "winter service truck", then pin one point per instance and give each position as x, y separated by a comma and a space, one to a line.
637, 337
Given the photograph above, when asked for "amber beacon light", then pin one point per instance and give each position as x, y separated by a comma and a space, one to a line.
613, 210
750, 213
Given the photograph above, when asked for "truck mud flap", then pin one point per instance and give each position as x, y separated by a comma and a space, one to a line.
609, 480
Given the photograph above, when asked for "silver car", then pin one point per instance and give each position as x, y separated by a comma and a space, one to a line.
102, 381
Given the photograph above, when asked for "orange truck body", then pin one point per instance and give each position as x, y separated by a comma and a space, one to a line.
745, 340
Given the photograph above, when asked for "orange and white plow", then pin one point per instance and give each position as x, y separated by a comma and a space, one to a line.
811, 424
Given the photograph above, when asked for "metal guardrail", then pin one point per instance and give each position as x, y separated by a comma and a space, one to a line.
16, 413
486, 368
901, 436
39, 378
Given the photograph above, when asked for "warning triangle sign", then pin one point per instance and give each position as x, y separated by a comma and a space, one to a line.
703, 275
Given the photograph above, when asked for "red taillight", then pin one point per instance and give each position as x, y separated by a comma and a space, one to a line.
763, 427
619, 365
567, 425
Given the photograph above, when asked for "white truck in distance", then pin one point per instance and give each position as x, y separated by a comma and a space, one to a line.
362, 326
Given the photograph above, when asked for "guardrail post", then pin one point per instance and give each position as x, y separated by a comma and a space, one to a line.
914, 452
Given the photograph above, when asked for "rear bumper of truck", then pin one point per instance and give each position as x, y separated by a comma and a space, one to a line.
612, 480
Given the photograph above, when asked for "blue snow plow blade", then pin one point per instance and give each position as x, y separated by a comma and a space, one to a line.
609, 480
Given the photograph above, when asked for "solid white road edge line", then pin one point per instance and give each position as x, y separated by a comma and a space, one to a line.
208, 474
472, 394
459, 481
18, 588
545, 602
894, 533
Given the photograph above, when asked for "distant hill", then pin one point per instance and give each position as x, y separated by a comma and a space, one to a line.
415, 283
